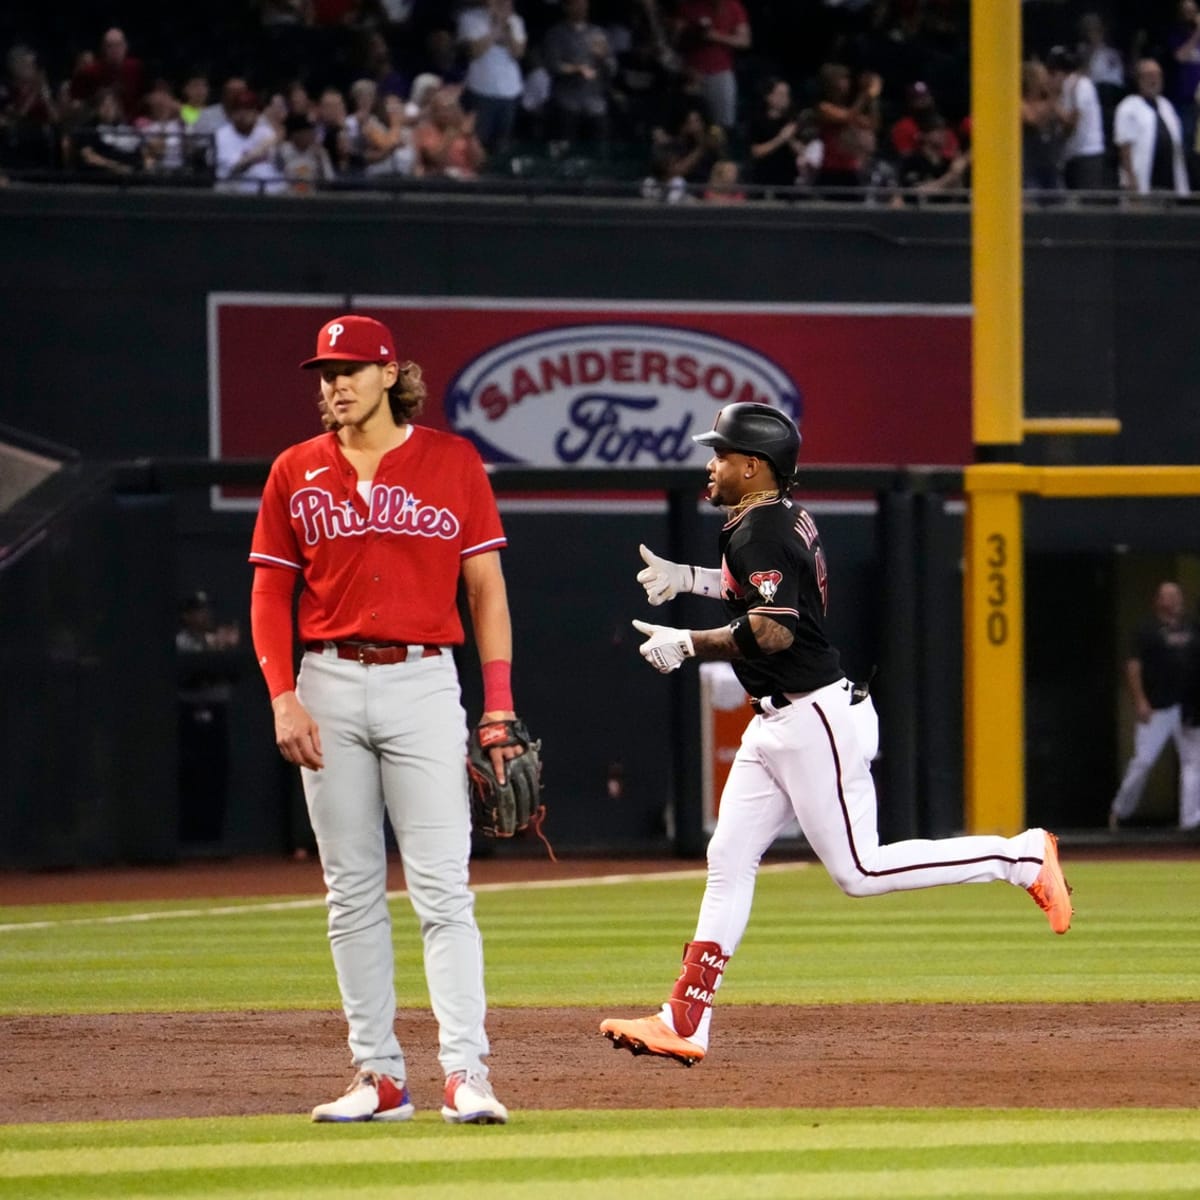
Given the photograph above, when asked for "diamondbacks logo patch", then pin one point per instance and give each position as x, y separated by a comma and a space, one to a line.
767, 583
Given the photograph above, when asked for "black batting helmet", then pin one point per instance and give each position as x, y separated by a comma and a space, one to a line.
758, 429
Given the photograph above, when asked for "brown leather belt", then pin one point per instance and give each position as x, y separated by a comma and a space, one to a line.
373, 654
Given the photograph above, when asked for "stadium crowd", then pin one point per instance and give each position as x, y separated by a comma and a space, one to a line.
716, 100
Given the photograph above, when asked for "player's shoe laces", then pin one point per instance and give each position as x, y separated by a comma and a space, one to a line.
370, 1097
1050, 889
471, 1101
651, 1035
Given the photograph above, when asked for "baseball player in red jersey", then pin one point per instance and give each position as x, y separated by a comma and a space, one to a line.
807, 750
378, 519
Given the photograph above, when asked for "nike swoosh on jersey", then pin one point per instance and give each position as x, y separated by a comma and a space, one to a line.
309, 476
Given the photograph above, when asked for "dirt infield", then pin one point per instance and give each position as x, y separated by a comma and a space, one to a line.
180, 1065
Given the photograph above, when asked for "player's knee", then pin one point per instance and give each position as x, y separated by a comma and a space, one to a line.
727, 861
854, 881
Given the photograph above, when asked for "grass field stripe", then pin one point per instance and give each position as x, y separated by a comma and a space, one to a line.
1088, 1181
858, 1126
233, 910
414, 1145
764, 1188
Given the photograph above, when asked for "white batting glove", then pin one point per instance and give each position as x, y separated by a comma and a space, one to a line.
663, 579
665, 648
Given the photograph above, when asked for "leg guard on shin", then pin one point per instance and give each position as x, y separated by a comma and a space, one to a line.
692, 995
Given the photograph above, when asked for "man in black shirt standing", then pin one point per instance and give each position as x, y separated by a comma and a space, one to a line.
806, 752
1159, 673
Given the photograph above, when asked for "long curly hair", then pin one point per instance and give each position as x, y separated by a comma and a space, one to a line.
405, 397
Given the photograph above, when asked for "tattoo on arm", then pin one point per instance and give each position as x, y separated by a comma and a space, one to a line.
718, 645
771, 636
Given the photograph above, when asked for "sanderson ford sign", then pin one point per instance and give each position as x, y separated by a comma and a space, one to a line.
571, 383
594, 395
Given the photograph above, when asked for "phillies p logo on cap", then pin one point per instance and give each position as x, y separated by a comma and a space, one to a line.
353, 339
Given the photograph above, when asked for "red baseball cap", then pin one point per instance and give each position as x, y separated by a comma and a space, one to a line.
353, 339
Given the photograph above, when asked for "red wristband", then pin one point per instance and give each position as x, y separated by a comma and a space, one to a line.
497, 686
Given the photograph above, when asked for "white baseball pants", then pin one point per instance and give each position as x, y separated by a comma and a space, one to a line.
1150, 739
810, 759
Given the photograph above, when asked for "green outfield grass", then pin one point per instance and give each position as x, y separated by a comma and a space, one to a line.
1136, 937
858, 1154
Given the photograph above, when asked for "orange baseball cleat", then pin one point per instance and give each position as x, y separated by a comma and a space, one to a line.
651, 1035
1050, 889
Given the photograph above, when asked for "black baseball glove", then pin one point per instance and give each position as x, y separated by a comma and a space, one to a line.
502, 810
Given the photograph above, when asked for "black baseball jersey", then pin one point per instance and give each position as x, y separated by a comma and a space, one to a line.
772, 563
1167, 653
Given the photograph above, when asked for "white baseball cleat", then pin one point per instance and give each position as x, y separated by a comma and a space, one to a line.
471, 1101
370, 1097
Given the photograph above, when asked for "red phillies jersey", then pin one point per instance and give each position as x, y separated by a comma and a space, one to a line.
385, 571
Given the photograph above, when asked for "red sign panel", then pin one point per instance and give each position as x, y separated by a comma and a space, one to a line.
591, 384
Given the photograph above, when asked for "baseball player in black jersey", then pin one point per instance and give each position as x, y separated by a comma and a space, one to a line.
807, 750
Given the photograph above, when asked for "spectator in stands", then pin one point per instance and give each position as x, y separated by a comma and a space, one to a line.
28, 112
661, 185
880, 181
723, 183
1078, 109
193, 99
106, 144
1149, 136
689, 153
198, 148
932, 169
331, 130
447, 147
275, 113
298, 101
905, 134
163, 131
775, 145
494, 37
380, 136
1041, 131
1102, 64
245, 150
213, 116
441, 56
581, 66
391, 145
114, 68
423, 89
376, 63
1183, 43
644, 68
706, 35
301, 159
845, 108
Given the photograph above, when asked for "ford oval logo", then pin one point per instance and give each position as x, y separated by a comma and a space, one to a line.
599, 395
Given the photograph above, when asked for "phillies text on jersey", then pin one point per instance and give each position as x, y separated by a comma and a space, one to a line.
384, 567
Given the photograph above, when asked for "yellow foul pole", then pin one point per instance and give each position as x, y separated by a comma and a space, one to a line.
996, 267
994, 683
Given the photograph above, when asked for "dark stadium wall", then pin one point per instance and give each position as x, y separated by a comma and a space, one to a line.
103, 306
